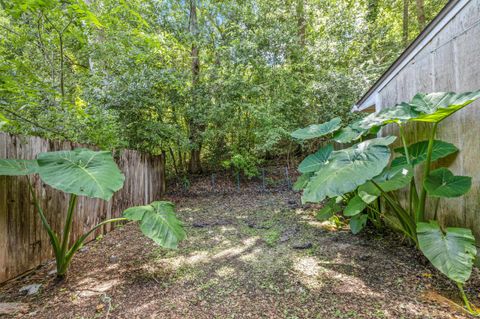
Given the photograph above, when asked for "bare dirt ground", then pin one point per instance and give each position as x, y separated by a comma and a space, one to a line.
247, 255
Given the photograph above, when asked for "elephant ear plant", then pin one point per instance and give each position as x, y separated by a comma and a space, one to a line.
359, 175
84, 172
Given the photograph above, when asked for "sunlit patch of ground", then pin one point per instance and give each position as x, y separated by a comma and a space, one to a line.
239, 261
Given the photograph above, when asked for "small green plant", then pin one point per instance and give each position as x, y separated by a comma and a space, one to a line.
361, 174
271, 237
247, 164
3, 120
83, 172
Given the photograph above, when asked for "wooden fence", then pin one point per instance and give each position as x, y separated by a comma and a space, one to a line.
23, 241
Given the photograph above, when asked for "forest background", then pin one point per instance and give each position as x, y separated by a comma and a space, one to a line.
210, 84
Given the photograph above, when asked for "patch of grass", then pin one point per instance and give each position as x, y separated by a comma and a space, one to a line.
209, 284
271, 237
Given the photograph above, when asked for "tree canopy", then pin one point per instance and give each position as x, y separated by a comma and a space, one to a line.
208, 82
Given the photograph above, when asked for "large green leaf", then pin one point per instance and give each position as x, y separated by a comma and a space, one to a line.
302, 181
355, 206
347, 135
435, 107
158, 222
391, 179
81, 172
442, 183
358, 222
350, 133
452, 252
317, 130
400, 113
418, 152
330, 208
349, 168
314, 162
13, 167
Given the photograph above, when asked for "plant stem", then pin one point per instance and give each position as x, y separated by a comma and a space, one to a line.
51, 234
420, 213
62, 265
413, 195
82, 239
404, 142
465, 299
408, 227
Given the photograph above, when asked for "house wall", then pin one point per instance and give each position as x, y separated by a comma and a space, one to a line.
449, 62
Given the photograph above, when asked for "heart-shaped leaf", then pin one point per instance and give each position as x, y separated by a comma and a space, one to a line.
400, 113
442, 183
14, 167
329, 209
452, 252
357, 223
349, 168
391, 179
314, 162
368, 195
302, 181
347, 135
355, 206
317, 130
435, 107
350, 133
158, 222
81, 172
418, 152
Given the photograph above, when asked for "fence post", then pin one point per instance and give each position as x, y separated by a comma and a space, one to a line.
263, 179
213, 181
238, 181
288, 178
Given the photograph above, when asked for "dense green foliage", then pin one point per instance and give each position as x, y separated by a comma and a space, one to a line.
83, 172
224, 81
363, 173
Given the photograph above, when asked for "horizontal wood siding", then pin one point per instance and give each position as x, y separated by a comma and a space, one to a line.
23, 241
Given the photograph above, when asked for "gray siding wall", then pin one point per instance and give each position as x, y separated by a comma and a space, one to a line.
450, 62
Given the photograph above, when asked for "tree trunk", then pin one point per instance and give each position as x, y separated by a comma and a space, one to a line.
421, 13
301, 23
194, 165
174, 162
405, 22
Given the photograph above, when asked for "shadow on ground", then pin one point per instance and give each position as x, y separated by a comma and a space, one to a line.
246, 256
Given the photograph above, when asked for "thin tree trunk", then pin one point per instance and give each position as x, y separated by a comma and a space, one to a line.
421, 13
180, 161
194, 165
405, 22
174, 162
62, 71
301, 23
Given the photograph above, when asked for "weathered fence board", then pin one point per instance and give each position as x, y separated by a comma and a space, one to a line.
23, 242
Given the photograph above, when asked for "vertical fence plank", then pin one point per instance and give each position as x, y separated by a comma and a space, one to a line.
24, 243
